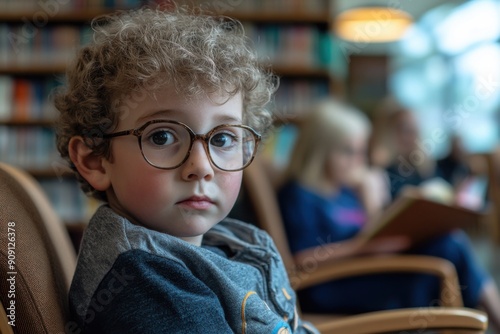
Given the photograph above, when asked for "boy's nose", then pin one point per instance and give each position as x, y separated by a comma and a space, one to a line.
198, 166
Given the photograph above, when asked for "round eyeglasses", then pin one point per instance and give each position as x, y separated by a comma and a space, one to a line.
167, 144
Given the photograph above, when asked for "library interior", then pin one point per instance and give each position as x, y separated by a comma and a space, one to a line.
374, 169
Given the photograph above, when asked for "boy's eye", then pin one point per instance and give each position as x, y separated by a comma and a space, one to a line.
162, 138
223, 140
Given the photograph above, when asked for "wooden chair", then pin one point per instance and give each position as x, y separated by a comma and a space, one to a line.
45, 262
451, 315
493, 172
44, 258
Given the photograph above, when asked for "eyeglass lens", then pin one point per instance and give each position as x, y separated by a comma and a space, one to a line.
166, 145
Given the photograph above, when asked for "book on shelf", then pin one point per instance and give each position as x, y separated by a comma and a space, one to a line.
6, 96
279, 145
69, 201
26, 98
25, 6
295, 97
31, 148
49, 45
21, 99
290, 45
311, 7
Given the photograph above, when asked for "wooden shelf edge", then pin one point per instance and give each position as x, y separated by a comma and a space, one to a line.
66, 15
86, 15
283, 17
30, 122
299, 70
32, 69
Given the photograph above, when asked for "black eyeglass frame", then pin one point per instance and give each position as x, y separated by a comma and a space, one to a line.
194, 136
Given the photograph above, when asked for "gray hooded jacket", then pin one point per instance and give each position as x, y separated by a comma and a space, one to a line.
130, 279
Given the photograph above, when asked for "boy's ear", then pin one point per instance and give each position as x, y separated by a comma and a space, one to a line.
88, 164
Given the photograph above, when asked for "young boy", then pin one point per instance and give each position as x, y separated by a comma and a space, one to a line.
161, 114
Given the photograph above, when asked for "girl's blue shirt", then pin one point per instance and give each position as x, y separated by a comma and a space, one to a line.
312, 220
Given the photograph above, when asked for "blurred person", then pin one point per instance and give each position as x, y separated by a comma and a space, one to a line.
327, 199
411, 164
456, 179
453, 167
468, 175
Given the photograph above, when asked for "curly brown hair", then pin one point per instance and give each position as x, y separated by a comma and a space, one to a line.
143, 49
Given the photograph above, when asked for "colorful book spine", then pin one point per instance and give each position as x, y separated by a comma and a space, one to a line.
295, 97
27, 99
296, 45
311, 7
50, 7
31, 148
51, 45
22, 98
69, 201
6, 96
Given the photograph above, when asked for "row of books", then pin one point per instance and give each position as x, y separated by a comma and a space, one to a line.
31, 148
278, 147
53, 7
26, 44
23, 99
26, 99
266, 6
69, 201
297, 45
291, 45
295, 97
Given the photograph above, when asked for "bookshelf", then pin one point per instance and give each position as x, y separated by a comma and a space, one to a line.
294, 38
291, 36
37, 38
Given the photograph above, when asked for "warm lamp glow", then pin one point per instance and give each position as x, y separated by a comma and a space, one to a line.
372, 24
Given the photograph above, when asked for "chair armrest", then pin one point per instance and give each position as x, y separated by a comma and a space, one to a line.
5, 328
418, 319
450, 294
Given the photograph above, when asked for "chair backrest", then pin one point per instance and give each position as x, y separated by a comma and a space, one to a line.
493, 170
262, 195
42, 257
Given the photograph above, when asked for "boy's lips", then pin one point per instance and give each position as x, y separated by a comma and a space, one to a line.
196, 202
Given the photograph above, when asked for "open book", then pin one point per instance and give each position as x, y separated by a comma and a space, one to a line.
420, 219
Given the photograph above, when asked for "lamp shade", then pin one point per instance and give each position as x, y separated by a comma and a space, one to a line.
372, 24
